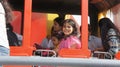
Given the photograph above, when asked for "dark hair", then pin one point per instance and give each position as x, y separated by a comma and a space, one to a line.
9, 27
59, 20
12, 37
73, 24
8, 11
105, 24
58, 36
89, 28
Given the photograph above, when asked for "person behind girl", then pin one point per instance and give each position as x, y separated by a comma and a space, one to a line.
57, 26
56, 39
70, 39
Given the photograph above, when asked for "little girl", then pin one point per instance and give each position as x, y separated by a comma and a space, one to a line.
70, 39
56, 39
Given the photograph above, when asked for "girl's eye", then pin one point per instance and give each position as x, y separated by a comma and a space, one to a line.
68, 26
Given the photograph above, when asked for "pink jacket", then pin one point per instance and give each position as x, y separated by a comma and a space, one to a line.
69, 41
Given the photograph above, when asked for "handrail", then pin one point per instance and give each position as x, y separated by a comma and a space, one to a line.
41, 51
57, 61
103, 54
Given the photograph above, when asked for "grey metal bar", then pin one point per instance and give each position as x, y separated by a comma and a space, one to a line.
80, 62
103, 53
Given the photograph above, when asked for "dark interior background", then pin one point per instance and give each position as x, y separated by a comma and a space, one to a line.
63, 7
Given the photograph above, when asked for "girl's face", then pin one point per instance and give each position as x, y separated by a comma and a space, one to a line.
55, 41
56, 27
67, 29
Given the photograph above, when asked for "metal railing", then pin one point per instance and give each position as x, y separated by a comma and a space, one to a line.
44, 53
102, 55
57, 61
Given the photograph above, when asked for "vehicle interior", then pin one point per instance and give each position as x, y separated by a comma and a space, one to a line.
63, 7
60, 7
